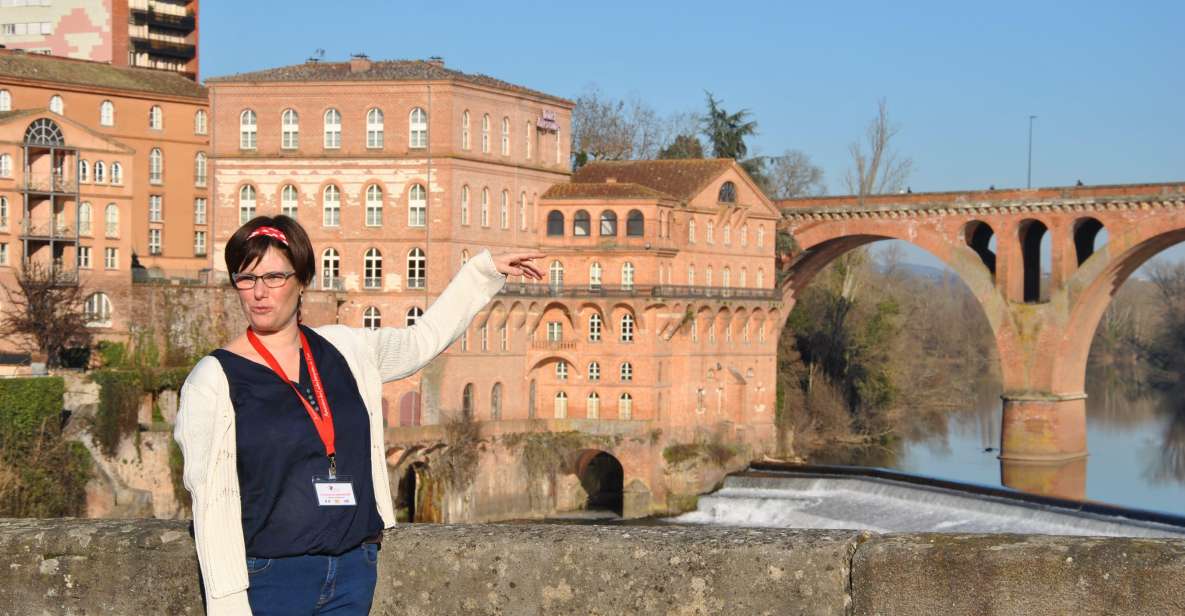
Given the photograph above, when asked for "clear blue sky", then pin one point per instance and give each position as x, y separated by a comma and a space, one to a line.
1105, 79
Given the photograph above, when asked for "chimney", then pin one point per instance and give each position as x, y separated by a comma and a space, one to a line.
359, 63
436, 61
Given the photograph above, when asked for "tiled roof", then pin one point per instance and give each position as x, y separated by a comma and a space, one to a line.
40, 67
681, 178
590, 190
379, 70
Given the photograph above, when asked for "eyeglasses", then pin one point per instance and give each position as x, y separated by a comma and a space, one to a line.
272, 280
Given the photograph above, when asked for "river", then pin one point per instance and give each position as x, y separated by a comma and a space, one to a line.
1136, 443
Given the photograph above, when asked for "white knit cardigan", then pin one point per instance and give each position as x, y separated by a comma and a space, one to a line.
205, 427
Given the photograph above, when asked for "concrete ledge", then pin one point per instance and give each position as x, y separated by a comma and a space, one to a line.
135, 567
988, 575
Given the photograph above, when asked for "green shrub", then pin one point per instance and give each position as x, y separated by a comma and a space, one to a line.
26, 403
119, 405
112, 354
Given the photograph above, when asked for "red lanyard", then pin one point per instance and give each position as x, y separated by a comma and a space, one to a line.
323, 420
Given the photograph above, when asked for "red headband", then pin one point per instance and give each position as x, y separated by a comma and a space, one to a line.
271, 232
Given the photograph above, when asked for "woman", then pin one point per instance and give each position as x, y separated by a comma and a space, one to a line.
282, 431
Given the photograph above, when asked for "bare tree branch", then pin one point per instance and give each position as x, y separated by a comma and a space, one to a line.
876, 168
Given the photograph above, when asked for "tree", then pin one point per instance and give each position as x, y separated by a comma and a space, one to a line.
793, 175
608, 129
684, 146
46, 311
726, 132
876, 168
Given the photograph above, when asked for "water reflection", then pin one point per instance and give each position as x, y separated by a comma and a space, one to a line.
1136, 441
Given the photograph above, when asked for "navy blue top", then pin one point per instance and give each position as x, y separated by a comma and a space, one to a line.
279, 452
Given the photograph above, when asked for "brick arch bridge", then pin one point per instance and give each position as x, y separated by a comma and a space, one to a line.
1043, 322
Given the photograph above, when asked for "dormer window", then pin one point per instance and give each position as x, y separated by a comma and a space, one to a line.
728, 193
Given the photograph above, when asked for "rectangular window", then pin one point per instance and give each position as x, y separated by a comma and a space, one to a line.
154, 208
485, 338
9, 29
4, 253
199, 211
555, 331
154, 241
84, 257
465, 341
504, 339
111, 258
199, 243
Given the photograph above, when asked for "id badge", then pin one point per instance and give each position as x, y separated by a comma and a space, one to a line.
334, 491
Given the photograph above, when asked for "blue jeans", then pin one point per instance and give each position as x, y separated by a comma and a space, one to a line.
314, 585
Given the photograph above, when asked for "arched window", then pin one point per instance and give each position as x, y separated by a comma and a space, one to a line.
728, 193
56, 105
708, 277
761, 237
505, 136
485, 207
3, 212
111, 218
372, 267
496, 402
85, 215
116, 173
418, 127
372, 318
556, 274
727, 234
711, 232
333, 129
594, 327
691, 231
100, 172
467, 401
156, 117
522, 211
744, 282
97, 310
289, 129
627, 275
156, 166
84, 171
634, 226
594, 371
374, 205
594, 275
247, 128
330, 269
331, 206
5, 166
417, 206
465, 130
413, 315
744, 235
485, 133
504, 211
199, 169
107, 113
760, 278
417, 269
200, 122
246, 203
289, 203
374, 128
608, 223
5, 100
691, 275
627, 372
625, 407
555, 223
465, 204
527, 135
581, 224
594, 405
627, 327
559, 150
725, 277
561, 405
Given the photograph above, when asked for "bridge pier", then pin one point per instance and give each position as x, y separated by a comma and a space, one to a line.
1043, 444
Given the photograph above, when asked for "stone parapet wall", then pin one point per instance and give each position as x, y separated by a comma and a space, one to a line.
148, 567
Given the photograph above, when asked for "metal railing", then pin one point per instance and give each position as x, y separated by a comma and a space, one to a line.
553, 345
46, 229
51, 182
663, 291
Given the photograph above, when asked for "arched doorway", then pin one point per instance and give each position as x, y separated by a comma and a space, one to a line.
417, 497
602, 478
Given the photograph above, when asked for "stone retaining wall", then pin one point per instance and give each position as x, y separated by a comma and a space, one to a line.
91, 567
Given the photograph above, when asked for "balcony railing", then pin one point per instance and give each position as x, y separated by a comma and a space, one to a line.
553, 345
46, 230
154, 275
51, 182
330, 283
666, 290
184, 51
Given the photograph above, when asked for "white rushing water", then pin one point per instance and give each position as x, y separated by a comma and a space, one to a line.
888, 506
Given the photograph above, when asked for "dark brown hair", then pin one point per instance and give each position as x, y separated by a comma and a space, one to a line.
242, 253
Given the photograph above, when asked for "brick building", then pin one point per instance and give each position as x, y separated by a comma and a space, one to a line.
159, 34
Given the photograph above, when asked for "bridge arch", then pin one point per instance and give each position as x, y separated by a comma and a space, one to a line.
1087, 232
602, 476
